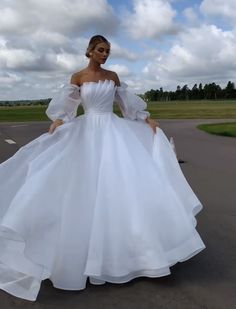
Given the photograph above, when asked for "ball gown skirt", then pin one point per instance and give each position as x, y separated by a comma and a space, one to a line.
103, 198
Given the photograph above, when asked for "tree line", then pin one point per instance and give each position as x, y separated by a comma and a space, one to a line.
210, 91
25, 102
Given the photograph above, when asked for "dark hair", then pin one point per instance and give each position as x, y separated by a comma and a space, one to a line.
96, 39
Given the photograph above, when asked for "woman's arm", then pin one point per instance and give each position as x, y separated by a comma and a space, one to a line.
63, 106
152, 122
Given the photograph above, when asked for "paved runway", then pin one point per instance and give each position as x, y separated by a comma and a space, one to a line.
206, 281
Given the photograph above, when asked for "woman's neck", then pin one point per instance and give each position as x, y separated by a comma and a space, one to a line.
94, 66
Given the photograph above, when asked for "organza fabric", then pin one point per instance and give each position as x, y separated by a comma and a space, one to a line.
103, 198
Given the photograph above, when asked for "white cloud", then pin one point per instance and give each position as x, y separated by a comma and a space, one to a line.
200, 55
226, 8
43, 42
65, 17
9, 80
46, 35
150, 19
120, 69
135, 85
26, 60
119, 52
70, 62
10, 20
49, 39
17, 58
191, 15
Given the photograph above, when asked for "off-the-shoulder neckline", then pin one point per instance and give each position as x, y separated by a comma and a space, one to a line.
98, 82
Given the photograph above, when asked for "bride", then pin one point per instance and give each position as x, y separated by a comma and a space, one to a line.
97, 196
98, 51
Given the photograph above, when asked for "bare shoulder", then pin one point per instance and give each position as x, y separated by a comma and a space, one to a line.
76, 77
113, 75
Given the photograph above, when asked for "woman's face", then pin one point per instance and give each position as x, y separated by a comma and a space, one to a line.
100, 52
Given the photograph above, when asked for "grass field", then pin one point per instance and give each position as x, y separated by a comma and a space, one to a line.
163, 110
193, 110
224, 129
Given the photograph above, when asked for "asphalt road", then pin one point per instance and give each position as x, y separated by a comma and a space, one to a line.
208, 280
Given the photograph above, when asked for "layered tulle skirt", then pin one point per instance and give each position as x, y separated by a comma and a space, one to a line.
102, 197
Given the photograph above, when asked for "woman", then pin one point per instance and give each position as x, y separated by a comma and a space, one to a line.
98, 196
98, 52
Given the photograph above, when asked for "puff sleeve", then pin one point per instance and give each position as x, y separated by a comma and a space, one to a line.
131, 105
65, 104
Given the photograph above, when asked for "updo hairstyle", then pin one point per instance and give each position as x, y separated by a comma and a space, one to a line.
96, 39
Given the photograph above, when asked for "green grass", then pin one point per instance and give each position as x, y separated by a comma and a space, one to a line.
23, 113
26, 113
163, 110
224, 129
193, 109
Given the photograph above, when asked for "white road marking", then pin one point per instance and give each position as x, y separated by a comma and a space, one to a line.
10, 141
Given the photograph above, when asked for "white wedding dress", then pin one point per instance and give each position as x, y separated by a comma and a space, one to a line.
103, 198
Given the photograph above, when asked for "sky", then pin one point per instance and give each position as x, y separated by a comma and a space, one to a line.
154, 43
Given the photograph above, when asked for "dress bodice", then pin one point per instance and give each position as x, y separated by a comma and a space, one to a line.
96, 97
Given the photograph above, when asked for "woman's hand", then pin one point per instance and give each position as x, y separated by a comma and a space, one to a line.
153, 123
55, 124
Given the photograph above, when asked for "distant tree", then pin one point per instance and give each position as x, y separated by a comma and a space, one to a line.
230, 90
178, 93
194, 94
185, 92
151, 95
161, 94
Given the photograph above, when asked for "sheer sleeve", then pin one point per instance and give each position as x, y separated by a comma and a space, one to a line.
65, 104
131, 105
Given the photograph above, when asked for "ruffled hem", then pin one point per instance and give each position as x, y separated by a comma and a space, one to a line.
25, 286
